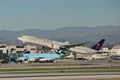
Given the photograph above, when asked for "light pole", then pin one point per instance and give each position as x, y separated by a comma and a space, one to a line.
9, 54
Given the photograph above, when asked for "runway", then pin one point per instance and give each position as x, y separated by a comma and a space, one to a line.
77, 70
62, 76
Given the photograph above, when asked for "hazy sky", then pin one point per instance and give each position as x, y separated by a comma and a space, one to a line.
52, 14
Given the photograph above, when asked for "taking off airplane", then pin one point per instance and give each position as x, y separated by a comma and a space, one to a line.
77, 48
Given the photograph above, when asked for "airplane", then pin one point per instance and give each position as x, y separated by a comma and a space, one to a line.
77, 48
39, 57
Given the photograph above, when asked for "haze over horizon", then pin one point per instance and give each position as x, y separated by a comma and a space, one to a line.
54, 14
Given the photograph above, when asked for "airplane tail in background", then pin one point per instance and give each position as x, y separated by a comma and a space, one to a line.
98, 45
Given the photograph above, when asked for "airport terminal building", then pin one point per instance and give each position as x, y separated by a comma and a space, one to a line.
115, 50
4, 48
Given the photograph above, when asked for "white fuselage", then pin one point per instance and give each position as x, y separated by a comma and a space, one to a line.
80, 49
41, 41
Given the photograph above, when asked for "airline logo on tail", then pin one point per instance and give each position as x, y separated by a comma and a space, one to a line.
98, 45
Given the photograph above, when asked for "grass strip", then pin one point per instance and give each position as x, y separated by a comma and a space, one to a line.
60, 70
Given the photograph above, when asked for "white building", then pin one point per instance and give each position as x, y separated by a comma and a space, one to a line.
4, 48
115, 50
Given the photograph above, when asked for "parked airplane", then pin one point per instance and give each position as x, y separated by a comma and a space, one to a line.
38, 57
78, 48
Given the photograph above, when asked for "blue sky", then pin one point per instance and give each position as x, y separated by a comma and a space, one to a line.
53, 14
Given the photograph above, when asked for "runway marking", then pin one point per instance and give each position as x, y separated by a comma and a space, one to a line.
62, 77
55, 75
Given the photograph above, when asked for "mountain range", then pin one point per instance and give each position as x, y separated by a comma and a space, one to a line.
74, 34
